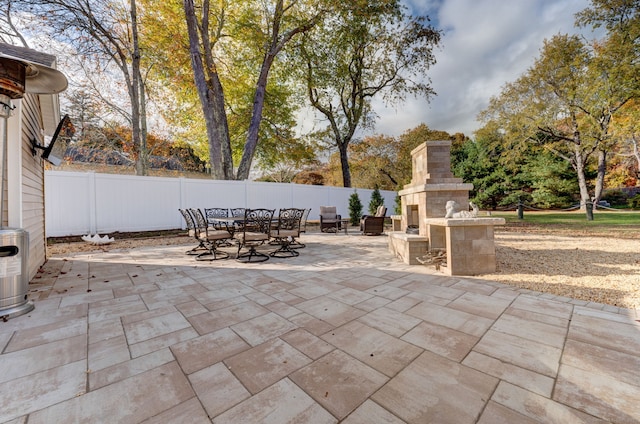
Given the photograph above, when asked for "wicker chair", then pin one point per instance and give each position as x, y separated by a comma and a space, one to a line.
329, 219
374, 225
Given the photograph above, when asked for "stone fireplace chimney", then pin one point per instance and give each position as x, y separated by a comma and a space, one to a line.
432, 185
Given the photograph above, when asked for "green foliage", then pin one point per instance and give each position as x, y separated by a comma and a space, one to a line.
398, 205
634, 202
365, 50
355, 208
553, 182
376, 200
615, 198
603, 220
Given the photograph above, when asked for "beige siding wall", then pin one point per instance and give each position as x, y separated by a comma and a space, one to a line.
32, 183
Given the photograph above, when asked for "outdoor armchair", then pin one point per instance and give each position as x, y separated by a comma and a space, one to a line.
374, 225
286, 232
296, 244
256, 230
329, 219
212, 237
191, 228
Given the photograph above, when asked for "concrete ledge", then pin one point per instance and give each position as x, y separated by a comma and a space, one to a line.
407, 247
464, 222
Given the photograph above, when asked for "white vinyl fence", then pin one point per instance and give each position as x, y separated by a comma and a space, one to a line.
78, 203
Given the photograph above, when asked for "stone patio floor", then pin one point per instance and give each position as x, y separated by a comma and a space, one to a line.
342, 333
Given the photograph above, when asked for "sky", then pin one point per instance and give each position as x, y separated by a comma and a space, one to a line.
485, 44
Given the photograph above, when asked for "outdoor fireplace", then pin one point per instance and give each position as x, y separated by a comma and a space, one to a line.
467, 243
432, 185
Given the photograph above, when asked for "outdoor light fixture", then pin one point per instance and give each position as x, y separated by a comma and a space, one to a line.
19, 76
54, 151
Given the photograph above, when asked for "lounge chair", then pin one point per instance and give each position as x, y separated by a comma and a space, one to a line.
329, 219
374, 225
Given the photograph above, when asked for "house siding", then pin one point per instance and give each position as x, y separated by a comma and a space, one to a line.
31, 183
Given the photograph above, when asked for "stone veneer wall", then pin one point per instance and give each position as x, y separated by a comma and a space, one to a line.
432, 185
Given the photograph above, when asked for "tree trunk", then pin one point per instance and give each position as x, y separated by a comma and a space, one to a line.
579, 167
602, 169
344, 164
205, 94
138, 108
256, 117
636, 154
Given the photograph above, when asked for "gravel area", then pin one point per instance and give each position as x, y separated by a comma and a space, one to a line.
603, 268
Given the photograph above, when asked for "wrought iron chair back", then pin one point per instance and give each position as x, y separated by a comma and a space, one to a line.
213, 238
287, 231
258, 220
237, 212
193, 232
200, 220
255, 231
303, 222
290, 219
212, 213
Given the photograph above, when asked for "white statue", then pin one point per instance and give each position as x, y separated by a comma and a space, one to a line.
96, 239
453, 210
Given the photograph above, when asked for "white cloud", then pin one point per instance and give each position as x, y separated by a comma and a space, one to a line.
486, 43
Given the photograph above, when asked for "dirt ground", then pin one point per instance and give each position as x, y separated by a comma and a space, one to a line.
601, 267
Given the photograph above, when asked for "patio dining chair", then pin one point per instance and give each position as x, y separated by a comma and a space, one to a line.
237, 212
213, 238
286, 232
213, 213
296, 244
191, 228
255, 232
216, 218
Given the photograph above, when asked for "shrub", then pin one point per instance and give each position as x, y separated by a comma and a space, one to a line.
355, 208
634, 202
376, 200
615, 197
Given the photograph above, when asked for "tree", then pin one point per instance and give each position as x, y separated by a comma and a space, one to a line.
272, 31
355, 208
376, 200
366, 49
564, 103
371, 162
9, 31
104, 35
209, 88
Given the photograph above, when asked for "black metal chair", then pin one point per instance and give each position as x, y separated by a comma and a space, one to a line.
215, 219
193, 232
237, 212
213, 238
296, 244
256, 230
212, 213
286, 232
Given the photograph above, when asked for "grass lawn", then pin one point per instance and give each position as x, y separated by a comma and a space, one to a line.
604, 224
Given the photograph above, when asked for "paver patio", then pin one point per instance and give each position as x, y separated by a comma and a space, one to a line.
342, 333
